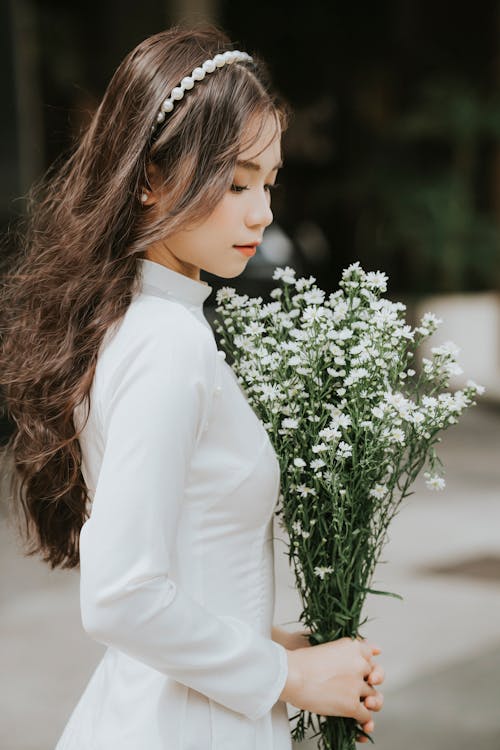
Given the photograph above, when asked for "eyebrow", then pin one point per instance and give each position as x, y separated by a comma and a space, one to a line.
256, 167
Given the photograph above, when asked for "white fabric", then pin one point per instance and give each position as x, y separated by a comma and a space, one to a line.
176, 559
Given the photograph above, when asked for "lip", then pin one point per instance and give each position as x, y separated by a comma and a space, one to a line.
248, 250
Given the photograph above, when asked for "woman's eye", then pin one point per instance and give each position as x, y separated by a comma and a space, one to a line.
240, 188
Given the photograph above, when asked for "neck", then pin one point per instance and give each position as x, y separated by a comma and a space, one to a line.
159, 253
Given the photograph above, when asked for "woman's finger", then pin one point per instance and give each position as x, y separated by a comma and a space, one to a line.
375, 702
368, 649
376, 677
367, 690
369, 726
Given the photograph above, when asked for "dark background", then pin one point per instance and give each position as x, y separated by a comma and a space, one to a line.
392, 157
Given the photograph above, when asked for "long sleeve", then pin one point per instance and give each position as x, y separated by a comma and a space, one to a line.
153, 396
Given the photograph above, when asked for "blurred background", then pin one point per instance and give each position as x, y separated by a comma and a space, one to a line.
392, 158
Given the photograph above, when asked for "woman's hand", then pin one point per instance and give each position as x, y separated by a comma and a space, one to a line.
299, 639
331, 679
373, 702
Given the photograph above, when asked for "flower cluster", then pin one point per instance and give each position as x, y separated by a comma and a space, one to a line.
334, 380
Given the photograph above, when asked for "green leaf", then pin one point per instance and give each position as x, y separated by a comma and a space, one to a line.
382, 593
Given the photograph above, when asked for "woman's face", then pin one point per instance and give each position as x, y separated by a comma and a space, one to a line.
238, 219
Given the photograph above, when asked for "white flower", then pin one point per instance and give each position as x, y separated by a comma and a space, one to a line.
344, 334
397, 436
460, 400
430, 402
290, 424
428, 366
340, 310
316, 464
430, 322
330, 433
299, 334
287, 275
224, 293
299, 462
320, 448
270, 392
354, 271
384, 317
434, 482
344, 450
376, 280
417, 417
289, 346
379, 411
379, 491
341, 420
302, 283
314, 297
479, 389
304, 491
276, 293
254, 328
313, 314
452, 368
270, 308
356, 374
321, 571
448, 348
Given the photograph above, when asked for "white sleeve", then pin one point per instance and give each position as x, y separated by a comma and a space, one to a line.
153, 407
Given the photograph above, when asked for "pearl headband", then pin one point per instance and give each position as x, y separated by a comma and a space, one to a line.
198, 74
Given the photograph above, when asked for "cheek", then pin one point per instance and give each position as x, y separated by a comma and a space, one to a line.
225, 212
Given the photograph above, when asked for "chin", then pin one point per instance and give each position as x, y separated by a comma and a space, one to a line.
230, 273
227, 275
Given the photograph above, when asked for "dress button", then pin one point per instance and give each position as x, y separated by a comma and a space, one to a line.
218, 390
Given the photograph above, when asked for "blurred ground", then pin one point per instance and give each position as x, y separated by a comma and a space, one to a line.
441, 645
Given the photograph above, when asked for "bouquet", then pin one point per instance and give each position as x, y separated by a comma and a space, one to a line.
352, 423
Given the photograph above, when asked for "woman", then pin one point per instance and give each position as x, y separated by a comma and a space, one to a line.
137, 455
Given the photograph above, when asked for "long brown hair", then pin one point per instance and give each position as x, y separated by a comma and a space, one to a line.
76, 266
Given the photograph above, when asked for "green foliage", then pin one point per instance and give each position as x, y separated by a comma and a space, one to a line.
421, 197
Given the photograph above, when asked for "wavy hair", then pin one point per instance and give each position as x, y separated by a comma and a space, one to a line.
75, 268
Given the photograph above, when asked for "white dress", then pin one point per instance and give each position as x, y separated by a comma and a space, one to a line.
176, 559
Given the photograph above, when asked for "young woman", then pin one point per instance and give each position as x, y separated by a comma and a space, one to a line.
137, 455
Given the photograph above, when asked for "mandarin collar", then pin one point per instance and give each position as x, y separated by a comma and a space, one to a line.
165, 282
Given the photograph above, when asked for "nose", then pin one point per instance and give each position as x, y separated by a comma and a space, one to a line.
259, 212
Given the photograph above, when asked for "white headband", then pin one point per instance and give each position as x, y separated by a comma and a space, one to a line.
198, 74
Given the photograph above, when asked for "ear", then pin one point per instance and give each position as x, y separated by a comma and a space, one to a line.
152, 190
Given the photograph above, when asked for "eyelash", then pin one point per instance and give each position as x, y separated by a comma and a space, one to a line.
241, 188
